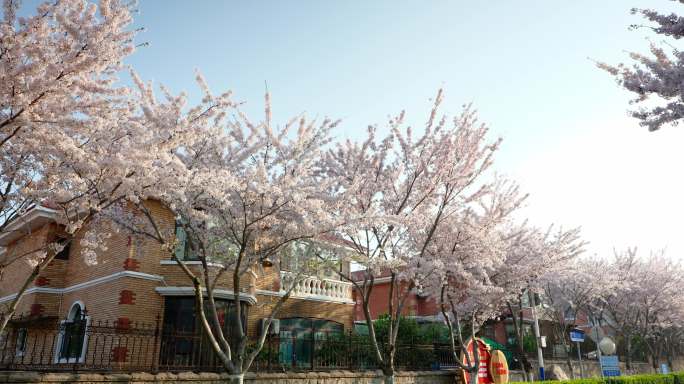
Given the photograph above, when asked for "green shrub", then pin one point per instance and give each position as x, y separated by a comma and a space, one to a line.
671, 378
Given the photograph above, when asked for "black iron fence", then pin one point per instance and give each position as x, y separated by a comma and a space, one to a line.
105, 346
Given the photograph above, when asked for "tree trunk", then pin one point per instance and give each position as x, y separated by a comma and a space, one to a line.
388, 373
654, 359
389, 378
628, 360
237, 378
4, 319
568, 359
519, 337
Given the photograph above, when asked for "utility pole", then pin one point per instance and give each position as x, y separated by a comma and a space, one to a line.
537, 335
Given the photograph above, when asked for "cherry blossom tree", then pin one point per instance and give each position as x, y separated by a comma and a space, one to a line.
578, 291
244, 193
72, 140
486, 265
655, 78
466, 256
655, 288
59, 117
401, 190
530, 255
624, 313
251, 209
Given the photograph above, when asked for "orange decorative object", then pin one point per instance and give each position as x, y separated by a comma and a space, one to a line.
498, 367
484, 354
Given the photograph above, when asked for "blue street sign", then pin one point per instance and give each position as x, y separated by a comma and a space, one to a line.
610, 365
577, 335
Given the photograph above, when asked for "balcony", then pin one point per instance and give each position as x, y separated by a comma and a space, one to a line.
315, 288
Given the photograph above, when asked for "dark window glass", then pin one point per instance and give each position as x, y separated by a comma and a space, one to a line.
73, 335
64, 253
299, 336
183, 339
22, 337
179, 314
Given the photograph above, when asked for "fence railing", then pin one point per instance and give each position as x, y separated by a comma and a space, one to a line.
104, 346
588, 352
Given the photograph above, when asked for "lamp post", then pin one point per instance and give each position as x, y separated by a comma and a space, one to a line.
595, 327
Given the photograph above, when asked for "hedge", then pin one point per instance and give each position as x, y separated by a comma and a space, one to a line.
670, 378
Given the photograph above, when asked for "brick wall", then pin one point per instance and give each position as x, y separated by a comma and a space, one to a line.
379, 304
15, 274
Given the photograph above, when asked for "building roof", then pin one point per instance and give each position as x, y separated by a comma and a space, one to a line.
34, 218
336, 240
382, 277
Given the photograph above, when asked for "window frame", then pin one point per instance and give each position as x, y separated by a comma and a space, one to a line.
58, 359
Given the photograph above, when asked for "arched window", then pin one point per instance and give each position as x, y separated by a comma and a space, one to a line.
73, 337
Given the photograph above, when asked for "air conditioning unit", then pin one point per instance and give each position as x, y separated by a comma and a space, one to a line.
274, 329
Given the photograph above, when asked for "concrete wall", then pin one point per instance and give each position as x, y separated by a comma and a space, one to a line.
333, 377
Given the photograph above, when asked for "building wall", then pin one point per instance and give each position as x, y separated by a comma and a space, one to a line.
379, 303
129, 270
14, 275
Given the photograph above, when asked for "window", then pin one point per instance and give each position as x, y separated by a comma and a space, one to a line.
72, 339
511, 338
20, 344
299, 336
64, 253
183, 247
179, 315
183, 339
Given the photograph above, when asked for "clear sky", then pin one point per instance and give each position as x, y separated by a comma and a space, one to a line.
524, 64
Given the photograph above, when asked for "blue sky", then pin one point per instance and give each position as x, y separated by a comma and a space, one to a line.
524, 64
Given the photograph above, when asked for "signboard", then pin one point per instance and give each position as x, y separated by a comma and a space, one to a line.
498, 367
577, 335
483, 375
610, 366
493, 367
664, 369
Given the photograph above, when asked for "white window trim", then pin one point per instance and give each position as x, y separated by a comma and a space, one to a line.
60, 336
189, 262
218, 293
87, 284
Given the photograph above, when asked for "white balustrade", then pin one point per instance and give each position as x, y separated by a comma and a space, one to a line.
312, 287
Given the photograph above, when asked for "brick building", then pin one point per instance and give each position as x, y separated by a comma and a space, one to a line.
136, 282
420, 307
425, 309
